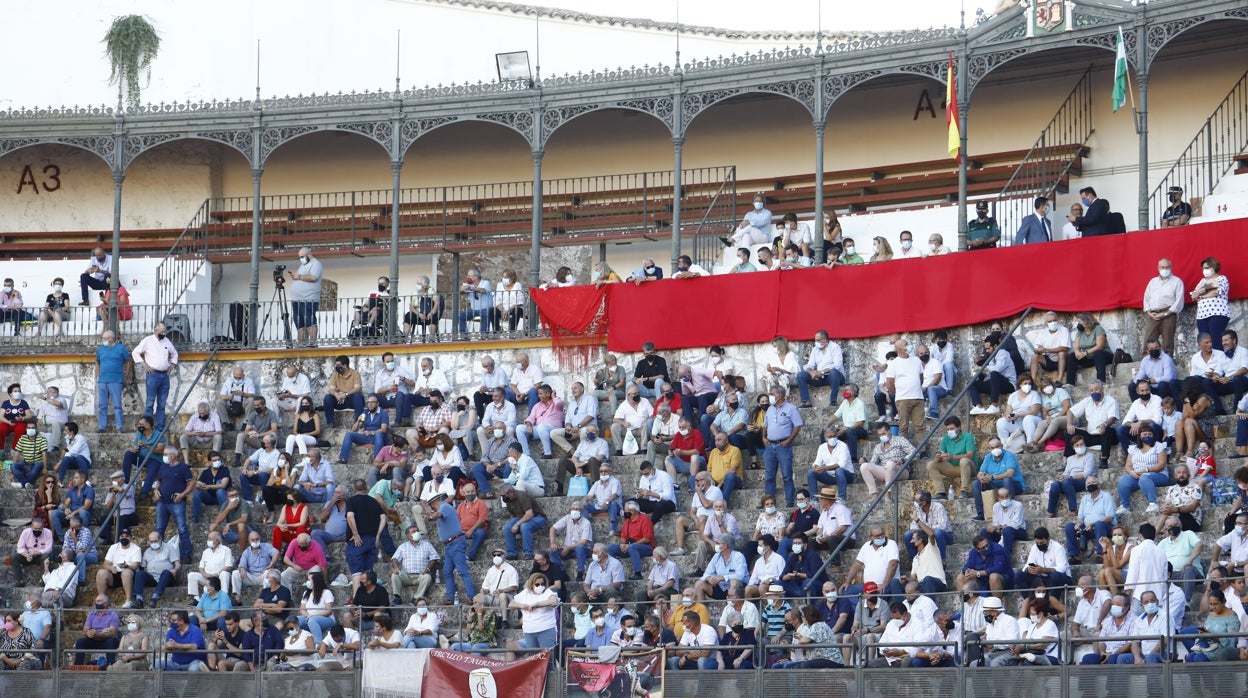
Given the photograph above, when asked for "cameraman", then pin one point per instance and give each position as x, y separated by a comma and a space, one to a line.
305, 295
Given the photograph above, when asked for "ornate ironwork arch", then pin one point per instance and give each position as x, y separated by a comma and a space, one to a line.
694, 104
272, 138
555, 119
103, 146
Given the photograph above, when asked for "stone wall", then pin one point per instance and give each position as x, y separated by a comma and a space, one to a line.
579, 258
462, 368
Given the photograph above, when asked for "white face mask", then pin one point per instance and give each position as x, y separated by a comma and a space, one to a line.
132, 627
1025, 388
1207, 272
308, 584
422, 611
1052, 326
832, 442
885, 438
684, 432
498, 433
498, 559
57, 287
686, 601
1081, 450
952, 433
1165, 273
906, 244
600, 621
798, 547
17, 394
539, 589
1048, 390
255, 544
996, 452
931, 247
576, 514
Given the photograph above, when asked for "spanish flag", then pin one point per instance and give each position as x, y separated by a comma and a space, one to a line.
951, 115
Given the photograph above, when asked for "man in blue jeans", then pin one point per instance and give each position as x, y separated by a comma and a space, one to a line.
369, 428
184, 645
454, 551
176, 484
782, 424
824, 367
158, 356
113, 369
998, 470
526, 519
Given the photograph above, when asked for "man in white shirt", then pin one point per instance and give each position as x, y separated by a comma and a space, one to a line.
826, 366
158, 356
491, 378
768, 567
832, 466
1210, 366
1234, 544
1092, 609
656, 494
217, 560
905, 384
525, 377
686, 269
501, 581
1000, 627
1163, 301
429, 380
1046, 564
1008, 523
498, 410
1050, 345
295, 386
579, 413
630, 416
921, 607
877, 561
1148, 570
1099, 412
1144, 411
393, 385
835, 521
1234, 379
933, 380
577, 534
688, 654
902, 628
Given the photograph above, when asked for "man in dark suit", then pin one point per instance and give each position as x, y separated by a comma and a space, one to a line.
1095, 219
1036, 228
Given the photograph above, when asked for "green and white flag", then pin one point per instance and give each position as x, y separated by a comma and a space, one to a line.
1120, 73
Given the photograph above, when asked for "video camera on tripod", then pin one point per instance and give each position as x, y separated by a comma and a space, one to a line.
279, 278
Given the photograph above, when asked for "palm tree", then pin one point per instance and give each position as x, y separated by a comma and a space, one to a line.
131, 43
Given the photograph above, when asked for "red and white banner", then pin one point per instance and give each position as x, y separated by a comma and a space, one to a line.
627, 675
446, 674
459, 674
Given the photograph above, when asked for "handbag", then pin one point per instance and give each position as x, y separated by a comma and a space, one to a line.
578, 486
631, 447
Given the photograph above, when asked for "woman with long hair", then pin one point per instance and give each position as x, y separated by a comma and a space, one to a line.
316, 606
306, 429
292, 519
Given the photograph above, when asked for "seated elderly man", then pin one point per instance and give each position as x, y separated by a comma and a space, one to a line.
202, 431
1099, 412
1007, 524
524, 380
258, 557
725, 466
1094, 519
606, 496
261, 421
660, 430
726, 568
903, 627
236, 393
577, 535
302, 557
604, 576
686, 451
217, 561
579, 414
494, 466
698, 389
931, 518
544, 417
590, 455
498, 410
100, 631
1050, 346
833, 464
631, 416
393, 385
1182, 550
878, 562
1145, 411
704, 496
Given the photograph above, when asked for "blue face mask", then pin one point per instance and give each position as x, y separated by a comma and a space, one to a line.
758, 205
1086, 201
591, 436
1096, 397
1151, 609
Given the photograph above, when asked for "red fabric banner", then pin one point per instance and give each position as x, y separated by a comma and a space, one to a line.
460, 674
871, 300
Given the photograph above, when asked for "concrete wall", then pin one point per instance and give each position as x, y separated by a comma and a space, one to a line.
463, 367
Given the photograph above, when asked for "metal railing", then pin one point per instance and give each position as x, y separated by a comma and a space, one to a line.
717, 221
1210, 154
184, 261
1060, 144
579, 210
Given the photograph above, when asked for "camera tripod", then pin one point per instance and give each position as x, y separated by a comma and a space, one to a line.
279, 298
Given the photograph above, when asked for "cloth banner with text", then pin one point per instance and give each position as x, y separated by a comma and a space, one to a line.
443, 673
872, 300
615, 673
